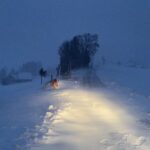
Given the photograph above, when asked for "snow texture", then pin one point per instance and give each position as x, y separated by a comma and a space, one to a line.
74, 117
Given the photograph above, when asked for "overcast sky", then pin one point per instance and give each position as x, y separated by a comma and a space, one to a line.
34, 29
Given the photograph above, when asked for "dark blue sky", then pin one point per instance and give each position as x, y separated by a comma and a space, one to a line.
34, 29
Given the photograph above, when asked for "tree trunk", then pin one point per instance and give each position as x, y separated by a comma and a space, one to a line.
41, 80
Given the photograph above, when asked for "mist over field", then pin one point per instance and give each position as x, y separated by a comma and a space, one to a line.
34, 29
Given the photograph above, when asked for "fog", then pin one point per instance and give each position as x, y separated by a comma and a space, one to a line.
34, 29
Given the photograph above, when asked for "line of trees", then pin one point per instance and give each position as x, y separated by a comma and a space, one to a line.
78, 52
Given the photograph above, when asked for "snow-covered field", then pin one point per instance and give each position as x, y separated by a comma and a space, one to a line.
74, 117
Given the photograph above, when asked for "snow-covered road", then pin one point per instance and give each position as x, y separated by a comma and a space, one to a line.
93, 119
115, 117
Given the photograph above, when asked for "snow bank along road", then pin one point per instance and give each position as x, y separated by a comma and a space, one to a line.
92, 119
21, 107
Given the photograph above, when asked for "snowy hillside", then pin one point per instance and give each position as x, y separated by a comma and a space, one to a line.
113, 117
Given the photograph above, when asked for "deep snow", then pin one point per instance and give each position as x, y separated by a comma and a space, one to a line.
114, 117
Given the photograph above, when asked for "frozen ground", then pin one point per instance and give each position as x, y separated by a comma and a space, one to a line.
115, 117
